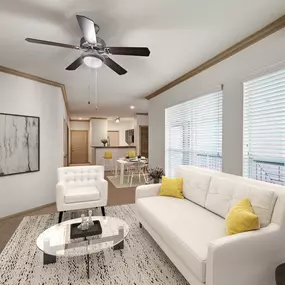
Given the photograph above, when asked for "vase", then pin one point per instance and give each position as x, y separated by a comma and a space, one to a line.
155, 180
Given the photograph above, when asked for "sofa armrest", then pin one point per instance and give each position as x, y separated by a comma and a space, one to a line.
103, 188
147, 190
59, 197
248, 258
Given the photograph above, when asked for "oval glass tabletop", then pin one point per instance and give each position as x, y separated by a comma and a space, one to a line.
56, 239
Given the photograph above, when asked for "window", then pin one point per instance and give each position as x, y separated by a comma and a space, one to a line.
193, 133
264, 128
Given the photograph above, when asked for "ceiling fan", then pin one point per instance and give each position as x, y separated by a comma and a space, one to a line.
95, 51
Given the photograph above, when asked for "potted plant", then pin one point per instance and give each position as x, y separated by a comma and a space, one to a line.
155, 174
104, 142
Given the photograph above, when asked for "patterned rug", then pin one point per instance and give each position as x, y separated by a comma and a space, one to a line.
142, 262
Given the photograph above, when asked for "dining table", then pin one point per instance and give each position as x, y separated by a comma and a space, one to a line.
121, 163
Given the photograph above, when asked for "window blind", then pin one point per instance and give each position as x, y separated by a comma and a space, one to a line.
264, 128
193, 133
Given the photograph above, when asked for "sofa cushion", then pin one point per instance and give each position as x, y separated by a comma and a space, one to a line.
262, 201
185, 227
195, 185
220, 195
82, 194
224, 193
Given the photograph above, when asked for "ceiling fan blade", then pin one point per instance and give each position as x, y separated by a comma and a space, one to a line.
88, 29
74, 65
136, 51
114, 66
36, 41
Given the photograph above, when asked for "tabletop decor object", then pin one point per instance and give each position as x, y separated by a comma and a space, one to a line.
104, 142
87, 227
155, 174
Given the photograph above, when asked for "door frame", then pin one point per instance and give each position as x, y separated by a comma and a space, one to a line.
79, 131
140, 139
68, 148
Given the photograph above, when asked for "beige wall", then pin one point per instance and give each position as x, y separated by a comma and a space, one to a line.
121, 127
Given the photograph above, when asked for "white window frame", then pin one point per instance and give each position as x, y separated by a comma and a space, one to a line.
199, 117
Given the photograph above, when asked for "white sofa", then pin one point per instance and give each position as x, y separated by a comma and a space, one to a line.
191, 231
81, 187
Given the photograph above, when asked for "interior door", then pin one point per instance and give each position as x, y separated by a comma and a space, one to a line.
144, 141
114, 138
79, 147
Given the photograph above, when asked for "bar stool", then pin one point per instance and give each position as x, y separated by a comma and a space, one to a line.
107, 160
132, 154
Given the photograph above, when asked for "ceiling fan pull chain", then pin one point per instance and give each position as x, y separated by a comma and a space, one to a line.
89, 95
96, 89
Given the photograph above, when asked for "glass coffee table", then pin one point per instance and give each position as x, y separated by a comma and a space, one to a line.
56, 241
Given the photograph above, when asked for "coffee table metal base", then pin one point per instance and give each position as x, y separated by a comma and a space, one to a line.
119, 246
48, 259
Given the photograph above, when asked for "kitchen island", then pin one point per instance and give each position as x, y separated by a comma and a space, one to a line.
117, 151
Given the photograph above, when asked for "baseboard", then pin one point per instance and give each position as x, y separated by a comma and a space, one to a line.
25, 212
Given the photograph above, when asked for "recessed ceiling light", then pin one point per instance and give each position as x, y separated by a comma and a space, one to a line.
132, 107
79, 118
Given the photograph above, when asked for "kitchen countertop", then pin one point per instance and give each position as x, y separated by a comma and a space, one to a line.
132, 146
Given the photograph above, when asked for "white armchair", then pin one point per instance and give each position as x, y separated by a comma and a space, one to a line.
81, 187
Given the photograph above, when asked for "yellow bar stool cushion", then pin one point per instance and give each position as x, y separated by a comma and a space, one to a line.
108, 155
132, 154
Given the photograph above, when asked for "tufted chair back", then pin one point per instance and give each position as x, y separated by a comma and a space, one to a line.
81, 176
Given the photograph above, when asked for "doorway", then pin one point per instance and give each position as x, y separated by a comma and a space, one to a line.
114, 138
79, 147
144, 141
65, 144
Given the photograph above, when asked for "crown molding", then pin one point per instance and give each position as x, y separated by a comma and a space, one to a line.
144, 114
38, 79
74, 120
97, 118
236, 48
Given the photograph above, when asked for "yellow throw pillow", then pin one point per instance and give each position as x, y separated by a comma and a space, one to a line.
171, 187
241, 218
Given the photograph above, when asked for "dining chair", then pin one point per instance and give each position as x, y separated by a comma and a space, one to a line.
136, 168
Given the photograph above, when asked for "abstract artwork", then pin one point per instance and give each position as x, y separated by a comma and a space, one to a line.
19, 144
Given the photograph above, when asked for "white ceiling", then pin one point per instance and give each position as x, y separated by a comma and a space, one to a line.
180, 35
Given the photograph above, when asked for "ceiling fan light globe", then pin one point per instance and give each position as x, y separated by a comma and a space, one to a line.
92, 61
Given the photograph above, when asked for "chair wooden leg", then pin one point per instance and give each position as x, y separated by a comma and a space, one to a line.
103, 211
60, 217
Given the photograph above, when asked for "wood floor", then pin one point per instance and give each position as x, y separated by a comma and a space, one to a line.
116, 196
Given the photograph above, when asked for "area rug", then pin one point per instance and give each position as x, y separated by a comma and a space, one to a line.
142, 263
116, 181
